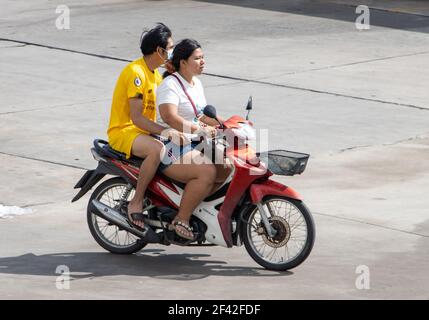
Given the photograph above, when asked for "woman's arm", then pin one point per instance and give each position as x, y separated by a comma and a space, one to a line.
210, 121
169, 115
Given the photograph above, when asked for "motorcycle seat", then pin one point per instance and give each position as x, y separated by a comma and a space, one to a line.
104, 149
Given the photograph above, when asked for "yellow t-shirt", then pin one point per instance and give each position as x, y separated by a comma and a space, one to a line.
136, 79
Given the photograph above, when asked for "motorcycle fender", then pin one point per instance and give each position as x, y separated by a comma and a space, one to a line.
88, 180
271, 188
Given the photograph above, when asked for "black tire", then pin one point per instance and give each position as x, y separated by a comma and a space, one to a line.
97, 234
308, 243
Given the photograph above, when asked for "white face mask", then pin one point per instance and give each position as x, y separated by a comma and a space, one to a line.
169, 55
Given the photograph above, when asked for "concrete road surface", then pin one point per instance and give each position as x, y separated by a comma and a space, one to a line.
356, 100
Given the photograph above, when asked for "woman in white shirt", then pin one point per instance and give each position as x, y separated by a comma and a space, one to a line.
180, 100
180, 97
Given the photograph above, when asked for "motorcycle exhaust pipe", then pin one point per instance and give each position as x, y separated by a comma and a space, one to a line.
119, 220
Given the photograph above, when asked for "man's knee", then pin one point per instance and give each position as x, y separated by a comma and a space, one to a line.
156, 148
145, 149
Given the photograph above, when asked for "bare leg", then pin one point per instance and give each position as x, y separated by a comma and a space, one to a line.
199, 179
144, 146
222, 173
224, 168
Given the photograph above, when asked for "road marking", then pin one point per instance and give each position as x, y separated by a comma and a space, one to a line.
238, 78
371, 224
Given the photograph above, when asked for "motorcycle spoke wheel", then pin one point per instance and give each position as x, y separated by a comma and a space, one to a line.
109, 233
294, 236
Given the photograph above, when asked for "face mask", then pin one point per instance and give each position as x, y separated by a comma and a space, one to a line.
169, 55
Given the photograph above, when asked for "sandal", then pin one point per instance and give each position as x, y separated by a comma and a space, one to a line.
179, 225
137, 216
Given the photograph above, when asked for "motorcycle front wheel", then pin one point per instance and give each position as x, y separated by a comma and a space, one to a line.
294, 238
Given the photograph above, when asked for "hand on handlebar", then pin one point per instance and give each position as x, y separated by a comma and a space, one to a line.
207, 131
177, 137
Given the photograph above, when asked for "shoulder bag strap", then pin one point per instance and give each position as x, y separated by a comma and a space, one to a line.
189, 97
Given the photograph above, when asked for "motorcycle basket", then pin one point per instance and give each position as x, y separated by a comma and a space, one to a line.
285, 163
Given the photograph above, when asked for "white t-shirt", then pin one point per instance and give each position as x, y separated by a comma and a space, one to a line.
170, 91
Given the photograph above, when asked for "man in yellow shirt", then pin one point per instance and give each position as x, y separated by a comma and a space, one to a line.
132, 121
133, 113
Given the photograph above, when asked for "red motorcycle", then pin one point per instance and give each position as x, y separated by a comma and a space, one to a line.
270, 218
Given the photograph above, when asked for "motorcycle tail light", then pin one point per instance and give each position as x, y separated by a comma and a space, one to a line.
96, 156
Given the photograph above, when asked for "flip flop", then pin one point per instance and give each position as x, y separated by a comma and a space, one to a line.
137, 216
184, 225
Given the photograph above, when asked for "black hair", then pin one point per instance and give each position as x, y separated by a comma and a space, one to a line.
183, 50
156, 37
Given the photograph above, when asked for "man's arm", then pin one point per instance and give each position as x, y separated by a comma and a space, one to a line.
136, 105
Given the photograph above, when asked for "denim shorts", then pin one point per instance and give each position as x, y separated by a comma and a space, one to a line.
173, 152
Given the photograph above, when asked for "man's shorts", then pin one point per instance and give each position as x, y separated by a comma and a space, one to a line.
122, 140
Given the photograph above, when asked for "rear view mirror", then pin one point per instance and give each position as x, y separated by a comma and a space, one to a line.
210, 111
249, 104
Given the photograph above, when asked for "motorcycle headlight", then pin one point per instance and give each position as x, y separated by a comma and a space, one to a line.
246, 132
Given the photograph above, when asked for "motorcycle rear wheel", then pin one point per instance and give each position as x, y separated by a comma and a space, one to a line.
295, 233
108, 235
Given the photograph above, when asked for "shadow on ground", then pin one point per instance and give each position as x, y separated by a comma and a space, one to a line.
336, 11
147, 263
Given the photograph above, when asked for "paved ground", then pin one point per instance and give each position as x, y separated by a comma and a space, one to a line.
356, 100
